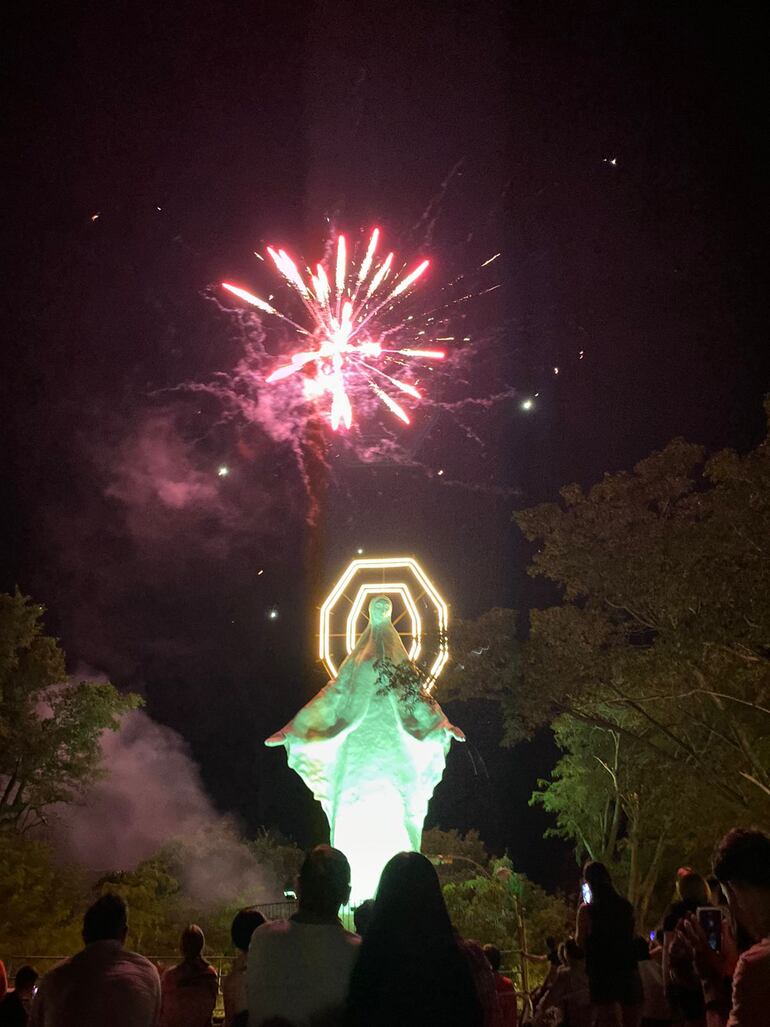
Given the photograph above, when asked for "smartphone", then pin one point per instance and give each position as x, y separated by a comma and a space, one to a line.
710, 919
585, 891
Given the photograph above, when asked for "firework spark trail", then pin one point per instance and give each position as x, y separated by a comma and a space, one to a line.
340, 335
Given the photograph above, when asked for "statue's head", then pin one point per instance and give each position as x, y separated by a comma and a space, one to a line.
380, 609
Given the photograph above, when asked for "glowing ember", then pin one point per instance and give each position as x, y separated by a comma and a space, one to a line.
340, 341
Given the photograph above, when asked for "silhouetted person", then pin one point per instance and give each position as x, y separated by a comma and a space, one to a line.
298, 969
15, 1005
569, 991
656, 1011
189, 990
362, 916
506, 993
234, 985
742, 865
103, 985
682, 986
411, 970
605, 932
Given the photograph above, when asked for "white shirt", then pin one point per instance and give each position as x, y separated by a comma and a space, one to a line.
298, 971
103, 984
234, 989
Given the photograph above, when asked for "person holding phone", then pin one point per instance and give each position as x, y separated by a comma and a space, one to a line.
605, 931
681, 981
742, 865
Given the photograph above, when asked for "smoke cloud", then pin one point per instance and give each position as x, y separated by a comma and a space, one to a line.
152, 794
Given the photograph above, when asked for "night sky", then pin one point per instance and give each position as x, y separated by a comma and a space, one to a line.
609, 152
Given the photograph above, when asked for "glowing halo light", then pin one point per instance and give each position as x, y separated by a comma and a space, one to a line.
399, 571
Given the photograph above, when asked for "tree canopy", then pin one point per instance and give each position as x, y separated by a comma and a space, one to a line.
664, 632
50, 727
653, 668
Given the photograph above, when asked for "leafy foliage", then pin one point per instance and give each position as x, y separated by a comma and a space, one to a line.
663, 635
485, 897
611, 799
279, 855
49, 728
484, 657
41, 901
456, 856
158, 908
407, 681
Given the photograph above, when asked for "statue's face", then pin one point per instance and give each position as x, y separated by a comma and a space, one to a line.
380, 609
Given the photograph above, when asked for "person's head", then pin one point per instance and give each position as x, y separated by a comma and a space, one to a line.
597, 877
324, 882
692, 888
25, 980
106, 920
494, 958
409, 884
362, 916
410, 924
409, 910
572, 952
191, 942
742, 866
245, 922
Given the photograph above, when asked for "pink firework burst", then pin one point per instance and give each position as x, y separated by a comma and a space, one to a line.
345, 341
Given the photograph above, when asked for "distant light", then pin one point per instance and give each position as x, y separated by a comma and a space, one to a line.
158, 208
223, 471
581, 354
527, 404
272, 614
556, 370
96, 216
359, 551
611, 160
260, 572
440, 472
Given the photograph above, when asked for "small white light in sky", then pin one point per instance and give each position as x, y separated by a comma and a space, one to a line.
261, 571
259, 256
486, 262
556, 370
359, 551
441, 472
581, 354
96, 216
223, 471
527, 404
611, 160
272, 614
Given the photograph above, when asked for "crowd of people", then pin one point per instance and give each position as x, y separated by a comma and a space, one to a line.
708, 964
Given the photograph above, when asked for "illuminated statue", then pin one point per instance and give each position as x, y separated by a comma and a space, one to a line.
371, 756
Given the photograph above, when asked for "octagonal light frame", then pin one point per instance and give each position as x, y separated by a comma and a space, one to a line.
392, 587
